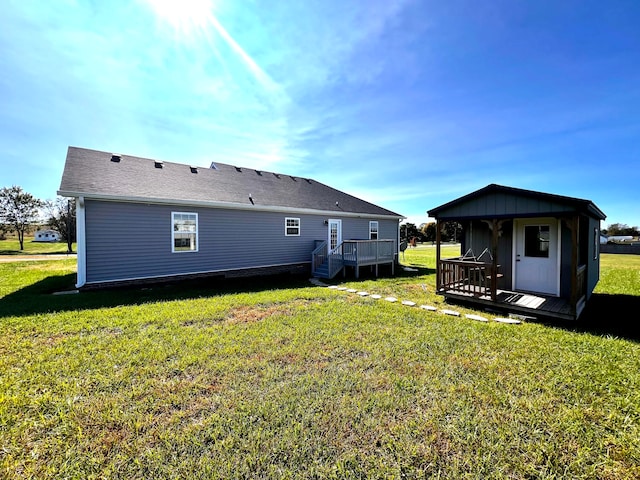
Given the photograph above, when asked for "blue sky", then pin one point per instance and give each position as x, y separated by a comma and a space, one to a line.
408, 104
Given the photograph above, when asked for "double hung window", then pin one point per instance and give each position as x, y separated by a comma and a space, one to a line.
184, 232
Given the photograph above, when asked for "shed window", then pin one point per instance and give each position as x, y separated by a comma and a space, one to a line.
536, 241
184, 232
292, 227
373, 230
596, 243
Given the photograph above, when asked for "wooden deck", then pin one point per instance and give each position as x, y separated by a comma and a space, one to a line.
352, 253
532, 304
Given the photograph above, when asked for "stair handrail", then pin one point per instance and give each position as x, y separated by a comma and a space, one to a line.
319, 256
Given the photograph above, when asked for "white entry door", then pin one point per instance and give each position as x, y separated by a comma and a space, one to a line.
537, 255
335, 234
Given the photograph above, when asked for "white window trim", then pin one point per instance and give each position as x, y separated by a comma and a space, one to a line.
173, 232
377, 228
286, 227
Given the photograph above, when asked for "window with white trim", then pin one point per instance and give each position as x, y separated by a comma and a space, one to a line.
373, 230
184, 232
292, 227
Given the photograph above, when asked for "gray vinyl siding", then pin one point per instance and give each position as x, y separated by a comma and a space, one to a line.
500, 205
131, 241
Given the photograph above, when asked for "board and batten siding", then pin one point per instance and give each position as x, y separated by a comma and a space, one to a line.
127, 241
503, 205
478, 236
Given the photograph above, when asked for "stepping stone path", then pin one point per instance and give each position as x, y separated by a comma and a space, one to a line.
476, 317
511, 321
428, 308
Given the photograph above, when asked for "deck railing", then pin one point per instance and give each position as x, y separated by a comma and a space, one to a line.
318, 256
321, 257
354, 253
465, 276
368, 252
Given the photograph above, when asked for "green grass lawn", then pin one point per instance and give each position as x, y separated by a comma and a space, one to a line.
11, 246
287, 380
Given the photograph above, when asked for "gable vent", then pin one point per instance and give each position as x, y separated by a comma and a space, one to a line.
116, 157
158, 163
213, 166
238, 169
194, 169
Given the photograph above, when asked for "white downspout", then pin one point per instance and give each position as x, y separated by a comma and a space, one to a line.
81, 243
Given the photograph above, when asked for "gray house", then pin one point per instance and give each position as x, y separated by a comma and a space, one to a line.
523, 251
142, 219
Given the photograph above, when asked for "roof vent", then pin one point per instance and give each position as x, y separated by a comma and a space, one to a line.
308, 181
259, 172
238, 169
158, 163
213, 166
116, 157
276, 175
194, 169
293, 178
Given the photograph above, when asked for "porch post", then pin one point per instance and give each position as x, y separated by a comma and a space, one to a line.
438, 238
573, 226
494, 262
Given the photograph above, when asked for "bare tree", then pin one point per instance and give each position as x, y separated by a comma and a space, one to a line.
18, 209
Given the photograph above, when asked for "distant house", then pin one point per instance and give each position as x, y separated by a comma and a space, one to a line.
140, 219
619, 239
46, 236
523, 251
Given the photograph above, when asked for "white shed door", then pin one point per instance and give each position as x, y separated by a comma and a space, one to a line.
537, 255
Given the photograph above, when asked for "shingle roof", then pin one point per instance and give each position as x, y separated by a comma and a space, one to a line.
93, 174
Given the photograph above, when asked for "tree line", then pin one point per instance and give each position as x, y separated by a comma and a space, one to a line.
426, 232
452, 231
621, 229
20, 210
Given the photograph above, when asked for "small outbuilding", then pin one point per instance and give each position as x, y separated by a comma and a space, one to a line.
523, 251
46, 236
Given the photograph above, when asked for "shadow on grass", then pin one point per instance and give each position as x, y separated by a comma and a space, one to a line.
38, 298
606, 314
23, 253
384, 271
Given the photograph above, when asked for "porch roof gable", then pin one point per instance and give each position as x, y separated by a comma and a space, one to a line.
498, 201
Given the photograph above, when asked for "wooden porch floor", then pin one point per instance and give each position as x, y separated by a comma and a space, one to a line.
533, 304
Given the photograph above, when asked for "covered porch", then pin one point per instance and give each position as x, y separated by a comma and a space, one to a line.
540, 251
489, 279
